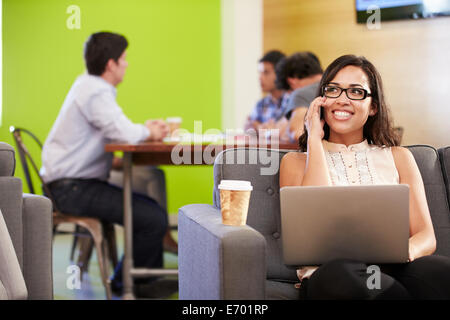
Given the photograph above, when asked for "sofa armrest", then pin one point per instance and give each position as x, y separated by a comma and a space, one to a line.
217, 261
37, 246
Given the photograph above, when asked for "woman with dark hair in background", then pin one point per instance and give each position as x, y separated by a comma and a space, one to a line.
349, 140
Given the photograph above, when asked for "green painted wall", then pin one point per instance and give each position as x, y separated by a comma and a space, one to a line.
174, 69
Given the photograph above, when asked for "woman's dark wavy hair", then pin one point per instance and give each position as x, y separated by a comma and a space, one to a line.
378, 129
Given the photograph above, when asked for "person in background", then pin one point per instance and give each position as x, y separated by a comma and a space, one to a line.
348, 133
298, 74
268, 112
75, 165
149, 181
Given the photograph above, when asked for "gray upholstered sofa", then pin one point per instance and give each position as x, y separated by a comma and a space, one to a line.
29, 222
225, 262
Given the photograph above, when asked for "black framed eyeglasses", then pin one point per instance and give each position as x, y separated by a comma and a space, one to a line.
351, 93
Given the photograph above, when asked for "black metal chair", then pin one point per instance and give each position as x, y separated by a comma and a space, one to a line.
98, 233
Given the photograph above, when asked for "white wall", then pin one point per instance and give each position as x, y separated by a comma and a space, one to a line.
242, 36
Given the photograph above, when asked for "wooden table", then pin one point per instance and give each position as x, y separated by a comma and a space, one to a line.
161, 153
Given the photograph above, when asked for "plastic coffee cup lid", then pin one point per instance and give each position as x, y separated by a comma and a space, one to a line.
174, 119
238, 185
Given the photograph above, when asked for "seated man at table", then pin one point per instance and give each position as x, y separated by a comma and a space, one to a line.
149, 181
75, 165
267, 112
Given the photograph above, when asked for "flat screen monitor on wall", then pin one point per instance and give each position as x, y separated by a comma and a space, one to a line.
401, 9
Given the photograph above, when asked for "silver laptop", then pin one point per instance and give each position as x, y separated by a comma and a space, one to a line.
365, 223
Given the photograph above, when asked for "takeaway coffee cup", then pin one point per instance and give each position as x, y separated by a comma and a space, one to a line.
174, 124
234, 200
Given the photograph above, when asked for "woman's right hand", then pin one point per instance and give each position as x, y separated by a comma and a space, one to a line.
314, 125
316, 168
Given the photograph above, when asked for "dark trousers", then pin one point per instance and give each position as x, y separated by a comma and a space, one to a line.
424, 278
99, 199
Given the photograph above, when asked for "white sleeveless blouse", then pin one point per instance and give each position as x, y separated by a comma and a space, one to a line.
360, 164
357, 164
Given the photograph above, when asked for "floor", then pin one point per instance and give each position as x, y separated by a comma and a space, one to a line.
65, 278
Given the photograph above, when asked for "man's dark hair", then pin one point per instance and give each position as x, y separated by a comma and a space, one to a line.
299, 65
273, 57
100, 47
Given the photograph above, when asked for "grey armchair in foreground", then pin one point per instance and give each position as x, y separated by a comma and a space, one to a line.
29, 221
224, 262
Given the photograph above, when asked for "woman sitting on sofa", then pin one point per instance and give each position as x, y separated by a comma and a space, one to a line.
350, 118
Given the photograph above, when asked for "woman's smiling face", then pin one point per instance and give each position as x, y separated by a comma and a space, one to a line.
343, 115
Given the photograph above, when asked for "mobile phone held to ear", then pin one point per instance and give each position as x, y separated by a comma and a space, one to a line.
321, 111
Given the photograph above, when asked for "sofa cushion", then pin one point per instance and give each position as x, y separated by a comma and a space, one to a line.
11, 207
427, 160
444, 155
281, 290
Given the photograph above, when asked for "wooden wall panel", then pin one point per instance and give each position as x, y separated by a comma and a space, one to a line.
413, 57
